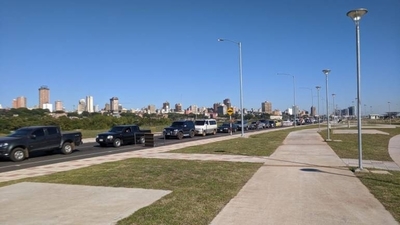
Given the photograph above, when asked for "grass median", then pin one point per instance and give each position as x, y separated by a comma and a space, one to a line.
200, 189
375, 146
263, 144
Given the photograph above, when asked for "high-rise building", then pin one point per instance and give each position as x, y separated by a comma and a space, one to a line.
114, 105
107, 107
215, 107
151, 109
222, 109
313, 111
19, 102
166, 106
194, 109
266, 107
81, 106
58, 106
44, 96
227, 102
178, 107
14, 103
89, 104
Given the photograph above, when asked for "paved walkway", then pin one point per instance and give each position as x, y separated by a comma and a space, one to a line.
302, 182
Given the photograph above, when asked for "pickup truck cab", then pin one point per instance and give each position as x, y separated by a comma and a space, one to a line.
122, 134
18, 145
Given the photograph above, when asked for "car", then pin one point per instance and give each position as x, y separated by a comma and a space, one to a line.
256, 125
180, 129
271, 123
122, 134
265, 123
226, 128
18, 145
239, 125
205, 126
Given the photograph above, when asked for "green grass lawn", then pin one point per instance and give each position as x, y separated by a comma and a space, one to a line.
374, 146
255, 145
200, 189
386, 188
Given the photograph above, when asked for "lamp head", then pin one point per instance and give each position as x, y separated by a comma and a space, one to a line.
326, 71
220, 39
318, 87
356, 14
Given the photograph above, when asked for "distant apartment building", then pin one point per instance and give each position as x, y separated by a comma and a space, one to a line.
215, 106
194, 109
44, 96
266, 107
48, 106
178, 107
227, 102
114, 105
89, 104
166, 106
107, 107
276, 112
81, 106
313, 111
222, 109
151, 109
19, 102
58, 105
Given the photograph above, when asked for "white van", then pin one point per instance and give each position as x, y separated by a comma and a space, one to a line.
205, 126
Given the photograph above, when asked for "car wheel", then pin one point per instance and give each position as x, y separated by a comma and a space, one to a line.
214, 132
204, 133
117, 143
17, 154
67, 148
179, 135
191, 133
142, 140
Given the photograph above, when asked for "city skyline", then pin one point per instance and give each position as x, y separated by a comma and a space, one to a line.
146, 52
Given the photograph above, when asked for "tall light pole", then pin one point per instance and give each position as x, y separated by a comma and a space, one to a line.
390, 115
326, 72
241, 80
319, 124
356, 15
365, 110
333, 100
294, 96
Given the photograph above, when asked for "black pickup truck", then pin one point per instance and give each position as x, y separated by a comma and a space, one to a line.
122, 134
18, 145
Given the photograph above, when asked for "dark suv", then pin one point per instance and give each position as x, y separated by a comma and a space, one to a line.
179, 129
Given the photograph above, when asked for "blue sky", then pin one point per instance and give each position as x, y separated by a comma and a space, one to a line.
149, 52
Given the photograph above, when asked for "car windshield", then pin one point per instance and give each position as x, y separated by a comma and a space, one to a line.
177, 124
200, 122
20, 133
116, 129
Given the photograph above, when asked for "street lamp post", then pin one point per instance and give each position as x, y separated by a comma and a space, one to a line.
319, 124
294, 96
356, 15
326, 72
333, 101
390, 115
241, 81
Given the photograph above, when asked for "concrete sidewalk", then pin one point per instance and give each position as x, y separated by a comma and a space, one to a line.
304, 182
394, 149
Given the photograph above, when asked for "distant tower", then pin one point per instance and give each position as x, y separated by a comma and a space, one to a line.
227, 102
266, 107
59, 106
81, 106
44, 96
89, 104
178, 107
166, 106
114, 105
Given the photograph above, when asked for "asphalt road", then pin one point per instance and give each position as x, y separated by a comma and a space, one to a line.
89, 150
